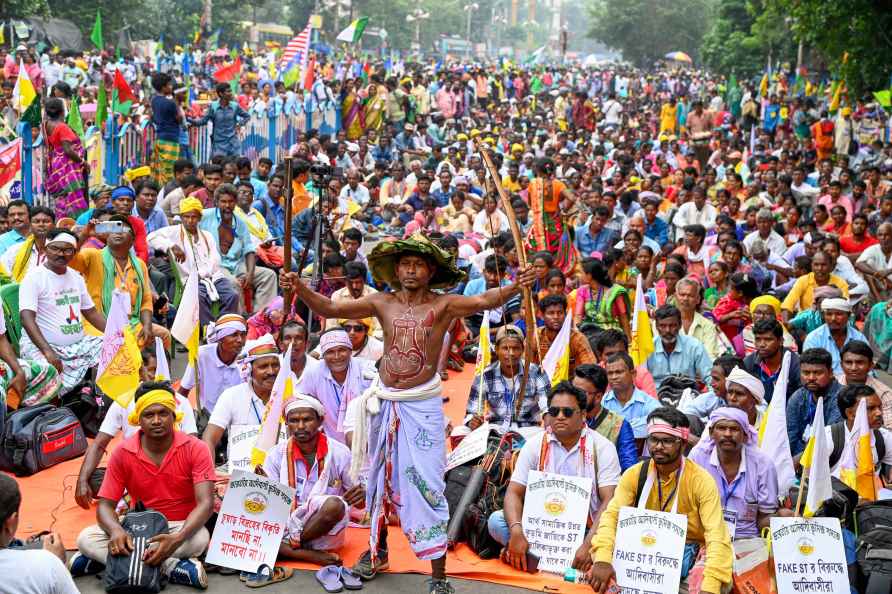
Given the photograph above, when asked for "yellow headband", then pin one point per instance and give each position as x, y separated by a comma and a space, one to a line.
191, 204
136, 172
162, 397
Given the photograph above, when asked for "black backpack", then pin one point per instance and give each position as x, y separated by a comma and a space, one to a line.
89, 405
39, 437
875, 547
838, 436
128, 574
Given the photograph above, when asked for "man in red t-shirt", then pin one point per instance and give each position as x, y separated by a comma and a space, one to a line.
857, 239
169, 472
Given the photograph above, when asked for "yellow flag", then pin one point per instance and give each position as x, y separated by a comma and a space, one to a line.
23, 93
642, 344
856, 463
282, 391
763, 85
119, 359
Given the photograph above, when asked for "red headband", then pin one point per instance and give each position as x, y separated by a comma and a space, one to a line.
681, 432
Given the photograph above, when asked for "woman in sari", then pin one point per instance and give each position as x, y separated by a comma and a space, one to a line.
354, 120
374, 109
602, 301
67, 168
548, 198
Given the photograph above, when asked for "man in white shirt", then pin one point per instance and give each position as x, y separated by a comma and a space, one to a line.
22, 256
765, 231
29, 571
875, 263
339, 380
848, 400
195, 250
245, 403
54, 301
218, 368
612, 112
354, 190
695, 212
571, 449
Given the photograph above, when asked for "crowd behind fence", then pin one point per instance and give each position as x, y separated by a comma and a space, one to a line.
116, 149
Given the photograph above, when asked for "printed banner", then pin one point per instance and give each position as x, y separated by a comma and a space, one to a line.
251, 523
555, 511
241, 443
471, 447
809, 555
94, 147
649, 550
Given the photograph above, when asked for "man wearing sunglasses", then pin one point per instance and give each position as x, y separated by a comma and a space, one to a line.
571, 449
364, 344
677, 485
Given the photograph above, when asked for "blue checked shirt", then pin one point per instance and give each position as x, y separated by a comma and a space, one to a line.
500, 393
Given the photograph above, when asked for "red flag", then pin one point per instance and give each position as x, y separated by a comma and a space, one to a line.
124, 92
310, 75
10, 161
227, 73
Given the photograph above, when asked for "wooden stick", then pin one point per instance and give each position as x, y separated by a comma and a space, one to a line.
286, 265
801, 491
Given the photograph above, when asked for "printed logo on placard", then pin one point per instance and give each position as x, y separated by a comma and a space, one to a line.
805, 546
555, 504
648, 538
255, 502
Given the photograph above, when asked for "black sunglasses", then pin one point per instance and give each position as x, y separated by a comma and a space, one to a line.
356, 328
567, 411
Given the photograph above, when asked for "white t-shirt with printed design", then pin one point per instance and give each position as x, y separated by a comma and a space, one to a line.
58, 300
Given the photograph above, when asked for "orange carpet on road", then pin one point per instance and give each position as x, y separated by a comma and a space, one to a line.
48, 504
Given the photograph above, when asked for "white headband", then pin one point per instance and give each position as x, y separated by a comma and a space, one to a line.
753, 385
66, 238
299, 401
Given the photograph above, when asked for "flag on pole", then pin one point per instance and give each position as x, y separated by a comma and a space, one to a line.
310, 74
283, 390
75, 122
185, 327
119, 360
856, 465
101, 104
484, 358
96, 34
353, 32
162, 368
23, 93
556, 362
817, 459
642, 344
214, 40
229, 73
536, 57
297, 48
10, 165
122, 97
773, 440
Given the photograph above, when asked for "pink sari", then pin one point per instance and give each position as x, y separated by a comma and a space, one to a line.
64, 177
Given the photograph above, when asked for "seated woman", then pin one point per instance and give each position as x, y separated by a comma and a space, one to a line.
601, 300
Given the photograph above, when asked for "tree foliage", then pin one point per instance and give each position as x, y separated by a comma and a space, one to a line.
646, 30
742, 36
855, 37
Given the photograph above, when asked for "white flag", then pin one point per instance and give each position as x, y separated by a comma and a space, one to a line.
556, 361
162, 371
820, 487
773, 440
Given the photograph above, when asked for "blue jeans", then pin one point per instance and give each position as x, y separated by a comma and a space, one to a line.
498, 528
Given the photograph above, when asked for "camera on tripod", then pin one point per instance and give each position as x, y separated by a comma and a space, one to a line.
321, 169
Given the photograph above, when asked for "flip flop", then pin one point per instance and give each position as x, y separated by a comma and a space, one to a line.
351, 580
329, 577
266, 576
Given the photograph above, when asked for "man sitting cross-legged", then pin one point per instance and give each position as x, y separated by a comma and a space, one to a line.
169, 472
318, 468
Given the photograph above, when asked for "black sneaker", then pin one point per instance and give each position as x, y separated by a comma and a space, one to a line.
440, 587
364, 567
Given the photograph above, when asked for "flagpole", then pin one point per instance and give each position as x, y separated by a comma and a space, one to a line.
801, 491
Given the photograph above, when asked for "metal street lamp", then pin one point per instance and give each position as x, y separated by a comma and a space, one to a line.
470, 8
417, 16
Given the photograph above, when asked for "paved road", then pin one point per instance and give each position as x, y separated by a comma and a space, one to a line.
304, 581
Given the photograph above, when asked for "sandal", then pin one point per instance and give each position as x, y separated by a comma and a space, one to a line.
329, 577
351, 580
266, 575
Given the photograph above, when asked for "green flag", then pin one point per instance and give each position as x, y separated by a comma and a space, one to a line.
121, 107
101, 105
75, 122
96, 35
32, 114
291, 76
353, 33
